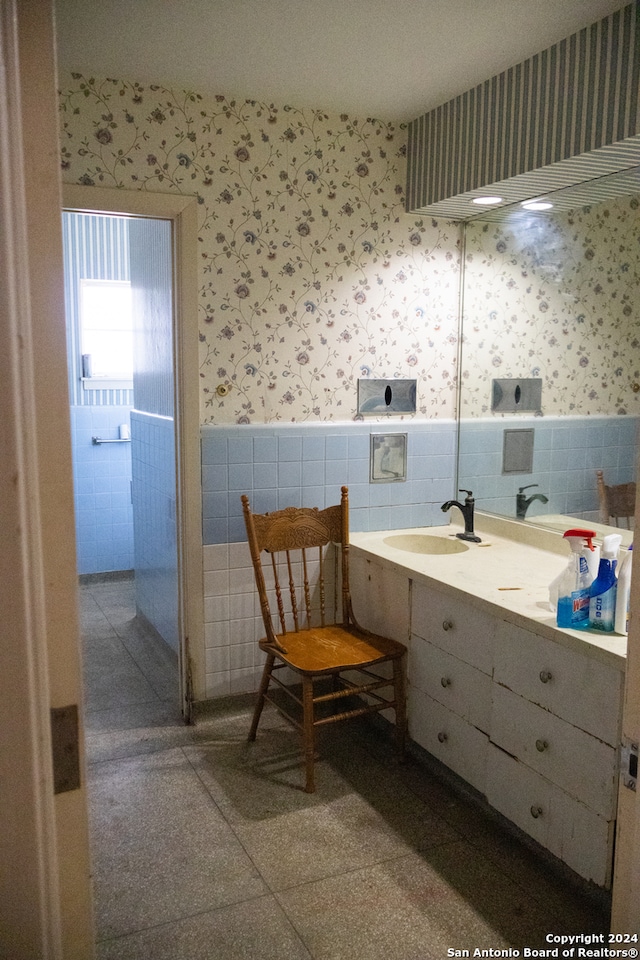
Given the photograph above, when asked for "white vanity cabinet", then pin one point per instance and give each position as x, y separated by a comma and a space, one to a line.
527, 714
552, 760
449, 672
530, 723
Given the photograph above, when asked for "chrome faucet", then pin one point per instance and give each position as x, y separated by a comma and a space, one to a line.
523, 503
466, 509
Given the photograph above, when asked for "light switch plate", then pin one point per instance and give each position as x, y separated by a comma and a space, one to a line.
629, 764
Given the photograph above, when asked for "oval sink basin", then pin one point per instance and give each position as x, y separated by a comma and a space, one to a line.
423, 543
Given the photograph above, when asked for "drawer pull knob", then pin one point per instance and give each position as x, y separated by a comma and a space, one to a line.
442, 737
545, 676
541, 746
536, 812
447, 624
445, 681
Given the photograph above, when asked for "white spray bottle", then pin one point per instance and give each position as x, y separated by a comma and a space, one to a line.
622, 593
570, 590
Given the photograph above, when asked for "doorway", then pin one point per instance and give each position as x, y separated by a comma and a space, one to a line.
119, 309
161, 431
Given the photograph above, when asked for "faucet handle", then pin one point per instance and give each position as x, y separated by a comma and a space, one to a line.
522, 489
469, 493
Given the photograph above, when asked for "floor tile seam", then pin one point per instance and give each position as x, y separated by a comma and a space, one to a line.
294, 887
112, 635
133, 756
96, 712
139, 701
108, 609
104, 941
117, 621
440, 819
156, 688
230, 824
94, 613
89, 711
294, 926
457, 839
129, 756
345, 873
203, 786
88, 637
168, 657
135, 663
145, 674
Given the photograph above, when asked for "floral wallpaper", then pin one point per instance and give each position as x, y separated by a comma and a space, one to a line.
556, 298
310, 273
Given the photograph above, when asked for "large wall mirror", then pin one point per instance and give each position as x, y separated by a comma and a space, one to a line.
550, 352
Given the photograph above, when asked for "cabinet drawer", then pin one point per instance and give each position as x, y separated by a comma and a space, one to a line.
560, 823
580, 764
456, 743
457, 685
575, 687
455, 625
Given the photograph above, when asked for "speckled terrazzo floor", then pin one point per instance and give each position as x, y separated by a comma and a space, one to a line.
205, 848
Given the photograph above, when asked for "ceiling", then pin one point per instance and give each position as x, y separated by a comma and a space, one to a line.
367, 58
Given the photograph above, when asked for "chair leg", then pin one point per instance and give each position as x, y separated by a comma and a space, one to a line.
308, 732
264, 683
401, 707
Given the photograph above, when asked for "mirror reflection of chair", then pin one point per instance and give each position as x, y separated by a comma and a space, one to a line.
617, 501
313, 631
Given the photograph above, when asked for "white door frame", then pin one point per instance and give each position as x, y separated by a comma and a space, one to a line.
625, 907
45, 889
29, 914
182, 212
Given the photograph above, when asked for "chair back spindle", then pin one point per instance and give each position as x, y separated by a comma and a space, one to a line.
305, 581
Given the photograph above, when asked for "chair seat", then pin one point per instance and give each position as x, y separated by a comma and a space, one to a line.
323, 650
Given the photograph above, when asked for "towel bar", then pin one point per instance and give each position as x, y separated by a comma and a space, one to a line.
97, 440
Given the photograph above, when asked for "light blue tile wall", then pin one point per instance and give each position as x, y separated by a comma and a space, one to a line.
102, 489
306, 465
155, 527
567, 452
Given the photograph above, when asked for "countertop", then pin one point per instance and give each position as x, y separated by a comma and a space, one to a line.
506, 577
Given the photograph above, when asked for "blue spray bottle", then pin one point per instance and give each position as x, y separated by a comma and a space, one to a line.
569, 592
602, 594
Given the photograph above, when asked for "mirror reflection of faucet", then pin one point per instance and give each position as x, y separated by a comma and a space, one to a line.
466, 509
523, 502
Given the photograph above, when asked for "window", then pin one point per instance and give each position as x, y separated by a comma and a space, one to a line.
106, 330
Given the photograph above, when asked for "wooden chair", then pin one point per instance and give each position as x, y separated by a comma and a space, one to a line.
617, 501
314, 632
